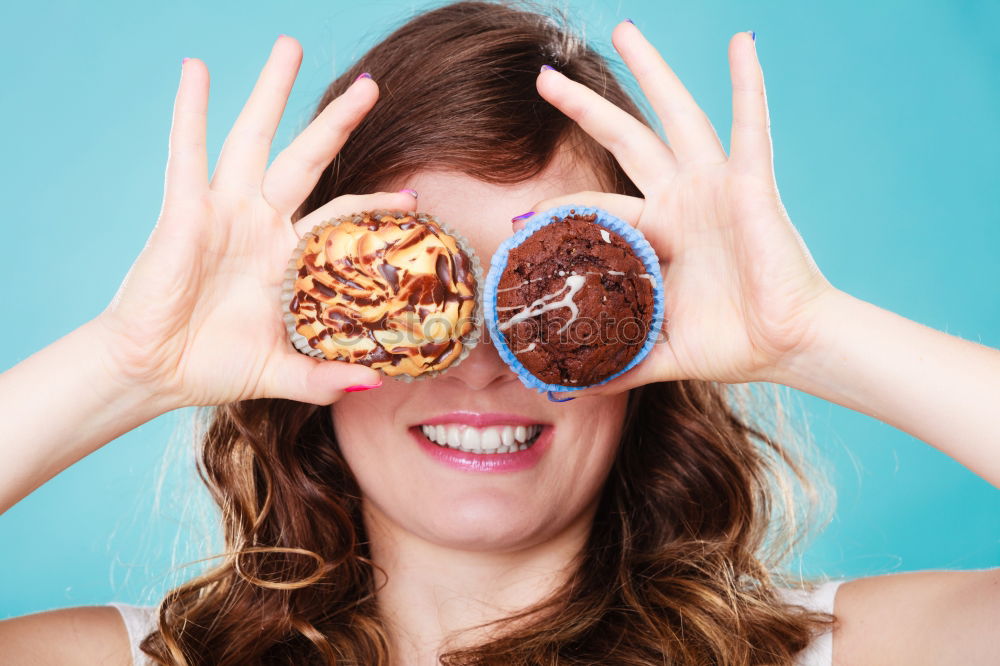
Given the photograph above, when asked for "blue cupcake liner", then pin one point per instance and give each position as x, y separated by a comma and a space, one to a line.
631, 235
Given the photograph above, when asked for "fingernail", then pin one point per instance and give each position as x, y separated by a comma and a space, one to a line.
522, 216
545, 67
412, 193
363, 75
630, 21
362, 387
753, 35
553, 399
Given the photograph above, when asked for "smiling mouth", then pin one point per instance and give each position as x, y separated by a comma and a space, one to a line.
488, 439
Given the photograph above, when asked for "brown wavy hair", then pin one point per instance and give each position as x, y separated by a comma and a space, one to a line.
697, 515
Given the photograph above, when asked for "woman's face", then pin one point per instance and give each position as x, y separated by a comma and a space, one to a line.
553, 485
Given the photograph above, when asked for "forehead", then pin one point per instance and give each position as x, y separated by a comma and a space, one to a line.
482, 211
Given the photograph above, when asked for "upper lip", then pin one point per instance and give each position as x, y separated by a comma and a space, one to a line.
480, 420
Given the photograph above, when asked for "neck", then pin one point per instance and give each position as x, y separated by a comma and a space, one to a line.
435, 595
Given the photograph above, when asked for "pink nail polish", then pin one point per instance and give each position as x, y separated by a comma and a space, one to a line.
363, 75
412, 193
362, 387
184, 61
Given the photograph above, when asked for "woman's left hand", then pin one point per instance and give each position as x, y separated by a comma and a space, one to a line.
742, 291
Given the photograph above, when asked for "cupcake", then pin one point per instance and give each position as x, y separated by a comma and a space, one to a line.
574, 299
394, 291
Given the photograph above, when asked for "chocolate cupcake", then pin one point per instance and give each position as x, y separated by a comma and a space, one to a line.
394, 291
574, 299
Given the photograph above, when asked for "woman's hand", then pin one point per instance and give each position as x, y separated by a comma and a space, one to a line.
197, 320
741, 290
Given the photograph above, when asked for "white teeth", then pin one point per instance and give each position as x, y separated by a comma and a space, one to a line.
471, 440
526, 433
454, 437
491, 439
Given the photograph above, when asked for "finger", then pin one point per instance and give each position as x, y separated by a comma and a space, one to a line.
642, 154
245, 152
750, 147
688, 129
620, 205
297, 168
348, 204
187, 162
304, 379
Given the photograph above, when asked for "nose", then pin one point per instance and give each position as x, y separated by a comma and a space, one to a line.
482, 368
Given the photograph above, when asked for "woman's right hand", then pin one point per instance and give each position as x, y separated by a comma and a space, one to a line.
197, 320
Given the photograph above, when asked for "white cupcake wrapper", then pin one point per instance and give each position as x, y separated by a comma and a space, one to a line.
498, 264
301, 344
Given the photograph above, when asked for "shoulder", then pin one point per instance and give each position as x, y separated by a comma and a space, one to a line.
932, 617
79, 635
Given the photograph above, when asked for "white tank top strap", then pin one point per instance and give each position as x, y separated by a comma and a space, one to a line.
820, 651
139, 622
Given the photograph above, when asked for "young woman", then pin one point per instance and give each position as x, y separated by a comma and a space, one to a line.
645, 533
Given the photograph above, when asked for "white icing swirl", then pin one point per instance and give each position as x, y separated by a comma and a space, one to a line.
572, 285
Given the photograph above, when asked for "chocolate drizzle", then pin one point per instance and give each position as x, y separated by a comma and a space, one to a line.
390, 274
323, 289
443, 268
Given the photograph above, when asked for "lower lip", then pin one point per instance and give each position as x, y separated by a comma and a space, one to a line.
486, 462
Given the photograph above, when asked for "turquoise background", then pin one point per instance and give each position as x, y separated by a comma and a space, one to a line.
884, 115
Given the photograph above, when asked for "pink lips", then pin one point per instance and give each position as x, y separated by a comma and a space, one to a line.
484, 462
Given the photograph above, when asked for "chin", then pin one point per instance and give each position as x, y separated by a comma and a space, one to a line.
479, 519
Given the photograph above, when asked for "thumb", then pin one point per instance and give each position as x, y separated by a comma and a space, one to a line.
304, 379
